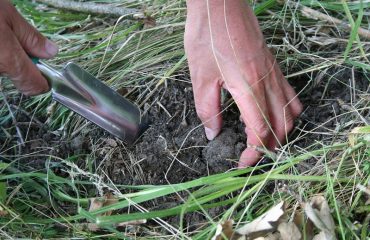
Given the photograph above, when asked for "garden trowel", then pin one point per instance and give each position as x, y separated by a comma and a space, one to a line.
81, 92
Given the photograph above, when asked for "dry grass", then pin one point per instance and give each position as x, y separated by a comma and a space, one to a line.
47, 189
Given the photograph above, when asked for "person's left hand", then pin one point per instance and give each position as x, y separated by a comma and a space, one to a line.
225, 48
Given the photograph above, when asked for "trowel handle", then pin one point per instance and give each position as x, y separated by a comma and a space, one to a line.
35, 60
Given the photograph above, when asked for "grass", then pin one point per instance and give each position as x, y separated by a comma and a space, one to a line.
53, 200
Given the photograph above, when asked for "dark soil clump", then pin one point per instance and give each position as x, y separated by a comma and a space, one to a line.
175, 149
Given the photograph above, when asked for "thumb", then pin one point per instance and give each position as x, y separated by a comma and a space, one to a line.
32, 41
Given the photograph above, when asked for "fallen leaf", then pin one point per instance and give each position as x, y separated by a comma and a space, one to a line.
318, 212
270, 236
3, 212
322, 236
218, 232
110, 200
305, 224
354, 134
98, 203
268, 222
289, 231
225, 231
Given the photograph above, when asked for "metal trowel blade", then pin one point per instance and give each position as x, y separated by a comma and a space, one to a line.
84, 94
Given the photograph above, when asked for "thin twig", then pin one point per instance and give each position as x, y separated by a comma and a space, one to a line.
94, 8
317, 15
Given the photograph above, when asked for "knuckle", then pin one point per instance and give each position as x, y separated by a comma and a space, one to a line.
203, 114
31, 39
261, 129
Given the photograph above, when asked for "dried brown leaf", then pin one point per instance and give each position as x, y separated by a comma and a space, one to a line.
318, 212
225, 231
289, 231
109, 200
98, 203
267, 222
323, 236
3, 213
270, 236
305, 224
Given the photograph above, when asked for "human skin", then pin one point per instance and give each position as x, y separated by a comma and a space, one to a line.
226, 49
18, 40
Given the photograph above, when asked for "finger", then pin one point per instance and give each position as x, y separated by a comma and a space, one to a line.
281, 120
33, 42
283, 108
251, 102
15, 63
249, 156
208, 104
293, 101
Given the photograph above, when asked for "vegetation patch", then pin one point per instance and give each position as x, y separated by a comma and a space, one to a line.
63, 177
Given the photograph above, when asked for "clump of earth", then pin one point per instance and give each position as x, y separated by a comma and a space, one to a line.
175, 149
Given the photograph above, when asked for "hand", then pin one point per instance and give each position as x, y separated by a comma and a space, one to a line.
225, 48
18, 39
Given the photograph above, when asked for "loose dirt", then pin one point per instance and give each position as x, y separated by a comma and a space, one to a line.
174, 149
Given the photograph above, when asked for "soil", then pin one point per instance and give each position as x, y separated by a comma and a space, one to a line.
174, 149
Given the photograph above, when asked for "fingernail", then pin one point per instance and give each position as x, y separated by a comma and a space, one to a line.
210, 133
51, 48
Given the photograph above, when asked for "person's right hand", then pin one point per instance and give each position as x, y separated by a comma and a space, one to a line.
18, 40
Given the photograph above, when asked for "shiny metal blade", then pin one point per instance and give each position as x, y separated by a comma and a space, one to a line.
81, 92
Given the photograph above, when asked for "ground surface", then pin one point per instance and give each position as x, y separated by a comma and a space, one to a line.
174, 149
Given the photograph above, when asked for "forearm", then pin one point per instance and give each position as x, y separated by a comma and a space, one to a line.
219, 9
219, 17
